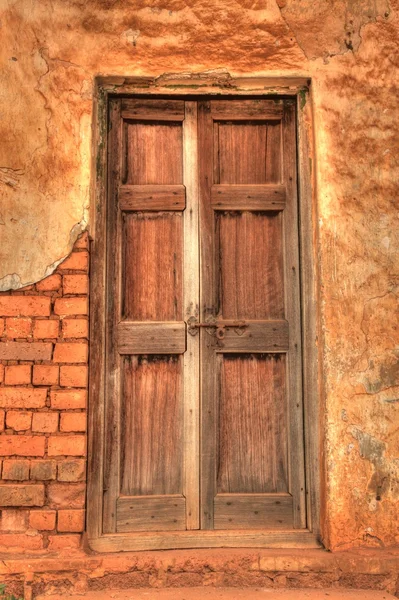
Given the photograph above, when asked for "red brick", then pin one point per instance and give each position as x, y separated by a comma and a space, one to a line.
18, 327
72, 470
2, 418
43, 470
26, 350
73, 376
1, 373
67, 445
22, 397
70, 521
19, 420
68, 399
43, 520
66, 495
50, 284
20, 541
14, 520
73, 422
64, 542
2, 325
25, 306
17, 375
71, 352
17, 494
17, 470
46, 329
71, 306
75, 328
46, 422
82, 241
22, 445
77, 261
45, 375
75, 284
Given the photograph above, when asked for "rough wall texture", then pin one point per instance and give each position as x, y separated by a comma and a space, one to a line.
52, 50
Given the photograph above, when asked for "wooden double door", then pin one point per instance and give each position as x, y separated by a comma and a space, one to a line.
203, 419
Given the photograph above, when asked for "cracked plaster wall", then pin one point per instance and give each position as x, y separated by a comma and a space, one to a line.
50, 53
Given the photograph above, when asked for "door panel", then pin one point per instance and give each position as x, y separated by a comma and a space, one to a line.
150, 446
152, 458
249, 281
204, 425
252, 425
153, 266
154, 153
249, 152
251, 265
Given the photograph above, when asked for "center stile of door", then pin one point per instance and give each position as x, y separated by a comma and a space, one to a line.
203, 401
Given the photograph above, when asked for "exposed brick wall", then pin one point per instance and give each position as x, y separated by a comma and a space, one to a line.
43, 399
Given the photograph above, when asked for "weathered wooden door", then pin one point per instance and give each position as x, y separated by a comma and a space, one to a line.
204, 394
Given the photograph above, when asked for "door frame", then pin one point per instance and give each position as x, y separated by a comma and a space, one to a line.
197, 86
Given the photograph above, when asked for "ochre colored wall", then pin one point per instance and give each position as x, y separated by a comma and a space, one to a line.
52, 50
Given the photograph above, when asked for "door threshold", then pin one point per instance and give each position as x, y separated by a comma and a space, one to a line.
168, 540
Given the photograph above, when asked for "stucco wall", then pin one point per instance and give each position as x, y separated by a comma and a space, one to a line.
51, 51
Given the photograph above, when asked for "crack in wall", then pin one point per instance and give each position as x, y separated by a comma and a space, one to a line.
340, 32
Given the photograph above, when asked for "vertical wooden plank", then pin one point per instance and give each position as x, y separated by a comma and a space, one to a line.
152, 266
242, 152
191, 375
208, 308
151, 426
293, 315
95, 454
251, 265
216, 162
273, 153
112, 310
154, 153
253, 425
309, 278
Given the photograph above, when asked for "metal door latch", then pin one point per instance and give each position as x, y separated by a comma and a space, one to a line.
194, 325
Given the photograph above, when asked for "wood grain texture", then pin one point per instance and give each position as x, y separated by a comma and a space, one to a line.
152, 109
153, 263
208, 309
274, 157
247, 109
152, 197
293, 315
258, 336
249, 153
152, 454
251, 266
191, 358
248, 197
149, 513
253, 511
252, 425
313, 414
154, 153
97, 370
111, 473
206, 539
138, 337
